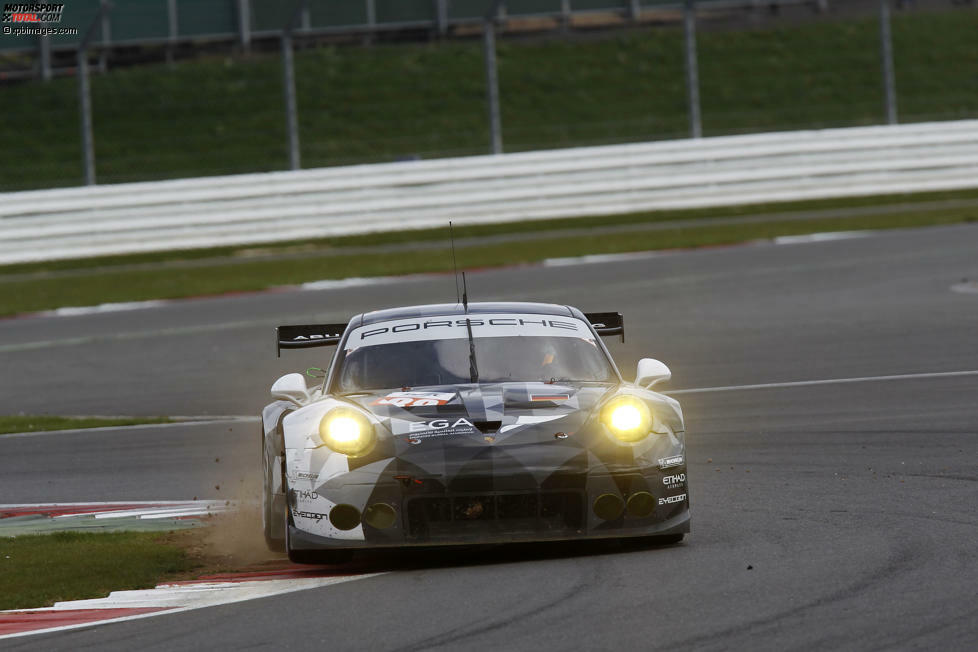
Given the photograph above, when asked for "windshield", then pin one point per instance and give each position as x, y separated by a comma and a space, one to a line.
507, 348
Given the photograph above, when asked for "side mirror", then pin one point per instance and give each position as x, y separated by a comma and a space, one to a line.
651, 371
291, 387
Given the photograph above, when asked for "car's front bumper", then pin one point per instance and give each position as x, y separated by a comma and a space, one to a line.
566, 507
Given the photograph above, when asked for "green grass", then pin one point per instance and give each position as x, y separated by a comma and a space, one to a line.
38, 570
224, 115
35, 423
98, 285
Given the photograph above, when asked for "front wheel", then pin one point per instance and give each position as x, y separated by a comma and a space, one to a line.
667, 539
320, 556
653, 540
268, 520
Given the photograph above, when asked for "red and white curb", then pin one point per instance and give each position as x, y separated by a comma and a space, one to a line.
166, 598
140, 509
17, 520
170, 598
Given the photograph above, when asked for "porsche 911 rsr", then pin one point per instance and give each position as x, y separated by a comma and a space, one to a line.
483, 423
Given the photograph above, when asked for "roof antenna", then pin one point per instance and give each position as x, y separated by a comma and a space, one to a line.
451, 233
465, 294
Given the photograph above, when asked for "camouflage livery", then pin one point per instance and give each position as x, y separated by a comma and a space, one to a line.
472, 462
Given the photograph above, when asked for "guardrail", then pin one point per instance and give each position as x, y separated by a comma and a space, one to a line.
284, 206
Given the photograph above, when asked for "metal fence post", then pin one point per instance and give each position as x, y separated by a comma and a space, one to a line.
103, 57
44, 48
492, 78
85, 104
288, 79
634, 9
692, 69
244, 25
441, 15
172, 20
85, 96
886, 63
371, 8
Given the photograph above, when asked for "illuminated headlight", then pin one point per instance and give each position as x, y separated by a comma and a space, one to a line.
627, 418
347, 431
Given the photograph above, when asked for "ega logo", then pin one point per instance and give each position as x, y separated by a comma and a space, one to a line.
439, 424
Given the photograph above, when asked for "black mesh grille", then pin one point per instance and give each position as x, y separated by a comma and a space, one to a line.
458, 516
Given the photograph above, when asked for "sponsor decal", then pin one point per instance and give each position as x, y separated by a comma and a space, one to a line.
561, 435
433, 428
415, 399
312, 336
674, 481
668, 462
441, 424
308, 495
489, 439
316, 516
669, 500
307, 476
414, 441
450, 327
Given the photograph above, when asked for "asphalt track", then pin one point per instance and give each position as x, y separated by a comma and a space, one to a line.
841, 515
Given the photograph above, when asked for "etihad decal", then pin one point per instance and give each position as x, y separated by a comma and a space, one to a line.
415, 399
669, 462
487, 325
669, 500
674, 481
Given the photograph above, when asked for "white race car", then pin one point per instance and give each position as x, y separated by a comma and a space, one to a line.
461, 424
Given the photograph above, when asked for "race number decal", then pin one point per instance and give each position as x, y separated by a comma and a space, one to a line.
415, 399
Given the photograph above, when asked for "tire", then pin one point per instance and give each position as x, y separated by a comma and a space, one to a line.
320, 556
652, 541
667, 539
275, 544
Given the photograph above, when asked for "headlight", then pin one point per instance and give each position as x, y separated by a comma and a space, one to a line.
627, 418
347, 431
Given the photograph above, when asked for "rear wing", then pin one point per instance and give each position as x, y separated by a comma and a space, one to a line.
307, 336
607, 323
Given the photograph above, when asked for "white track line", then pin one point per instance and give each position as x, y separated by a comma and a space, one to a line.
965, 287
831, 381
821, 237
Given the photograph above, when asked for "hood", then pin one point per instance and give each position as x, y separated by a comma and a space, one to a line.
476, 436
480, 437
494, 412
